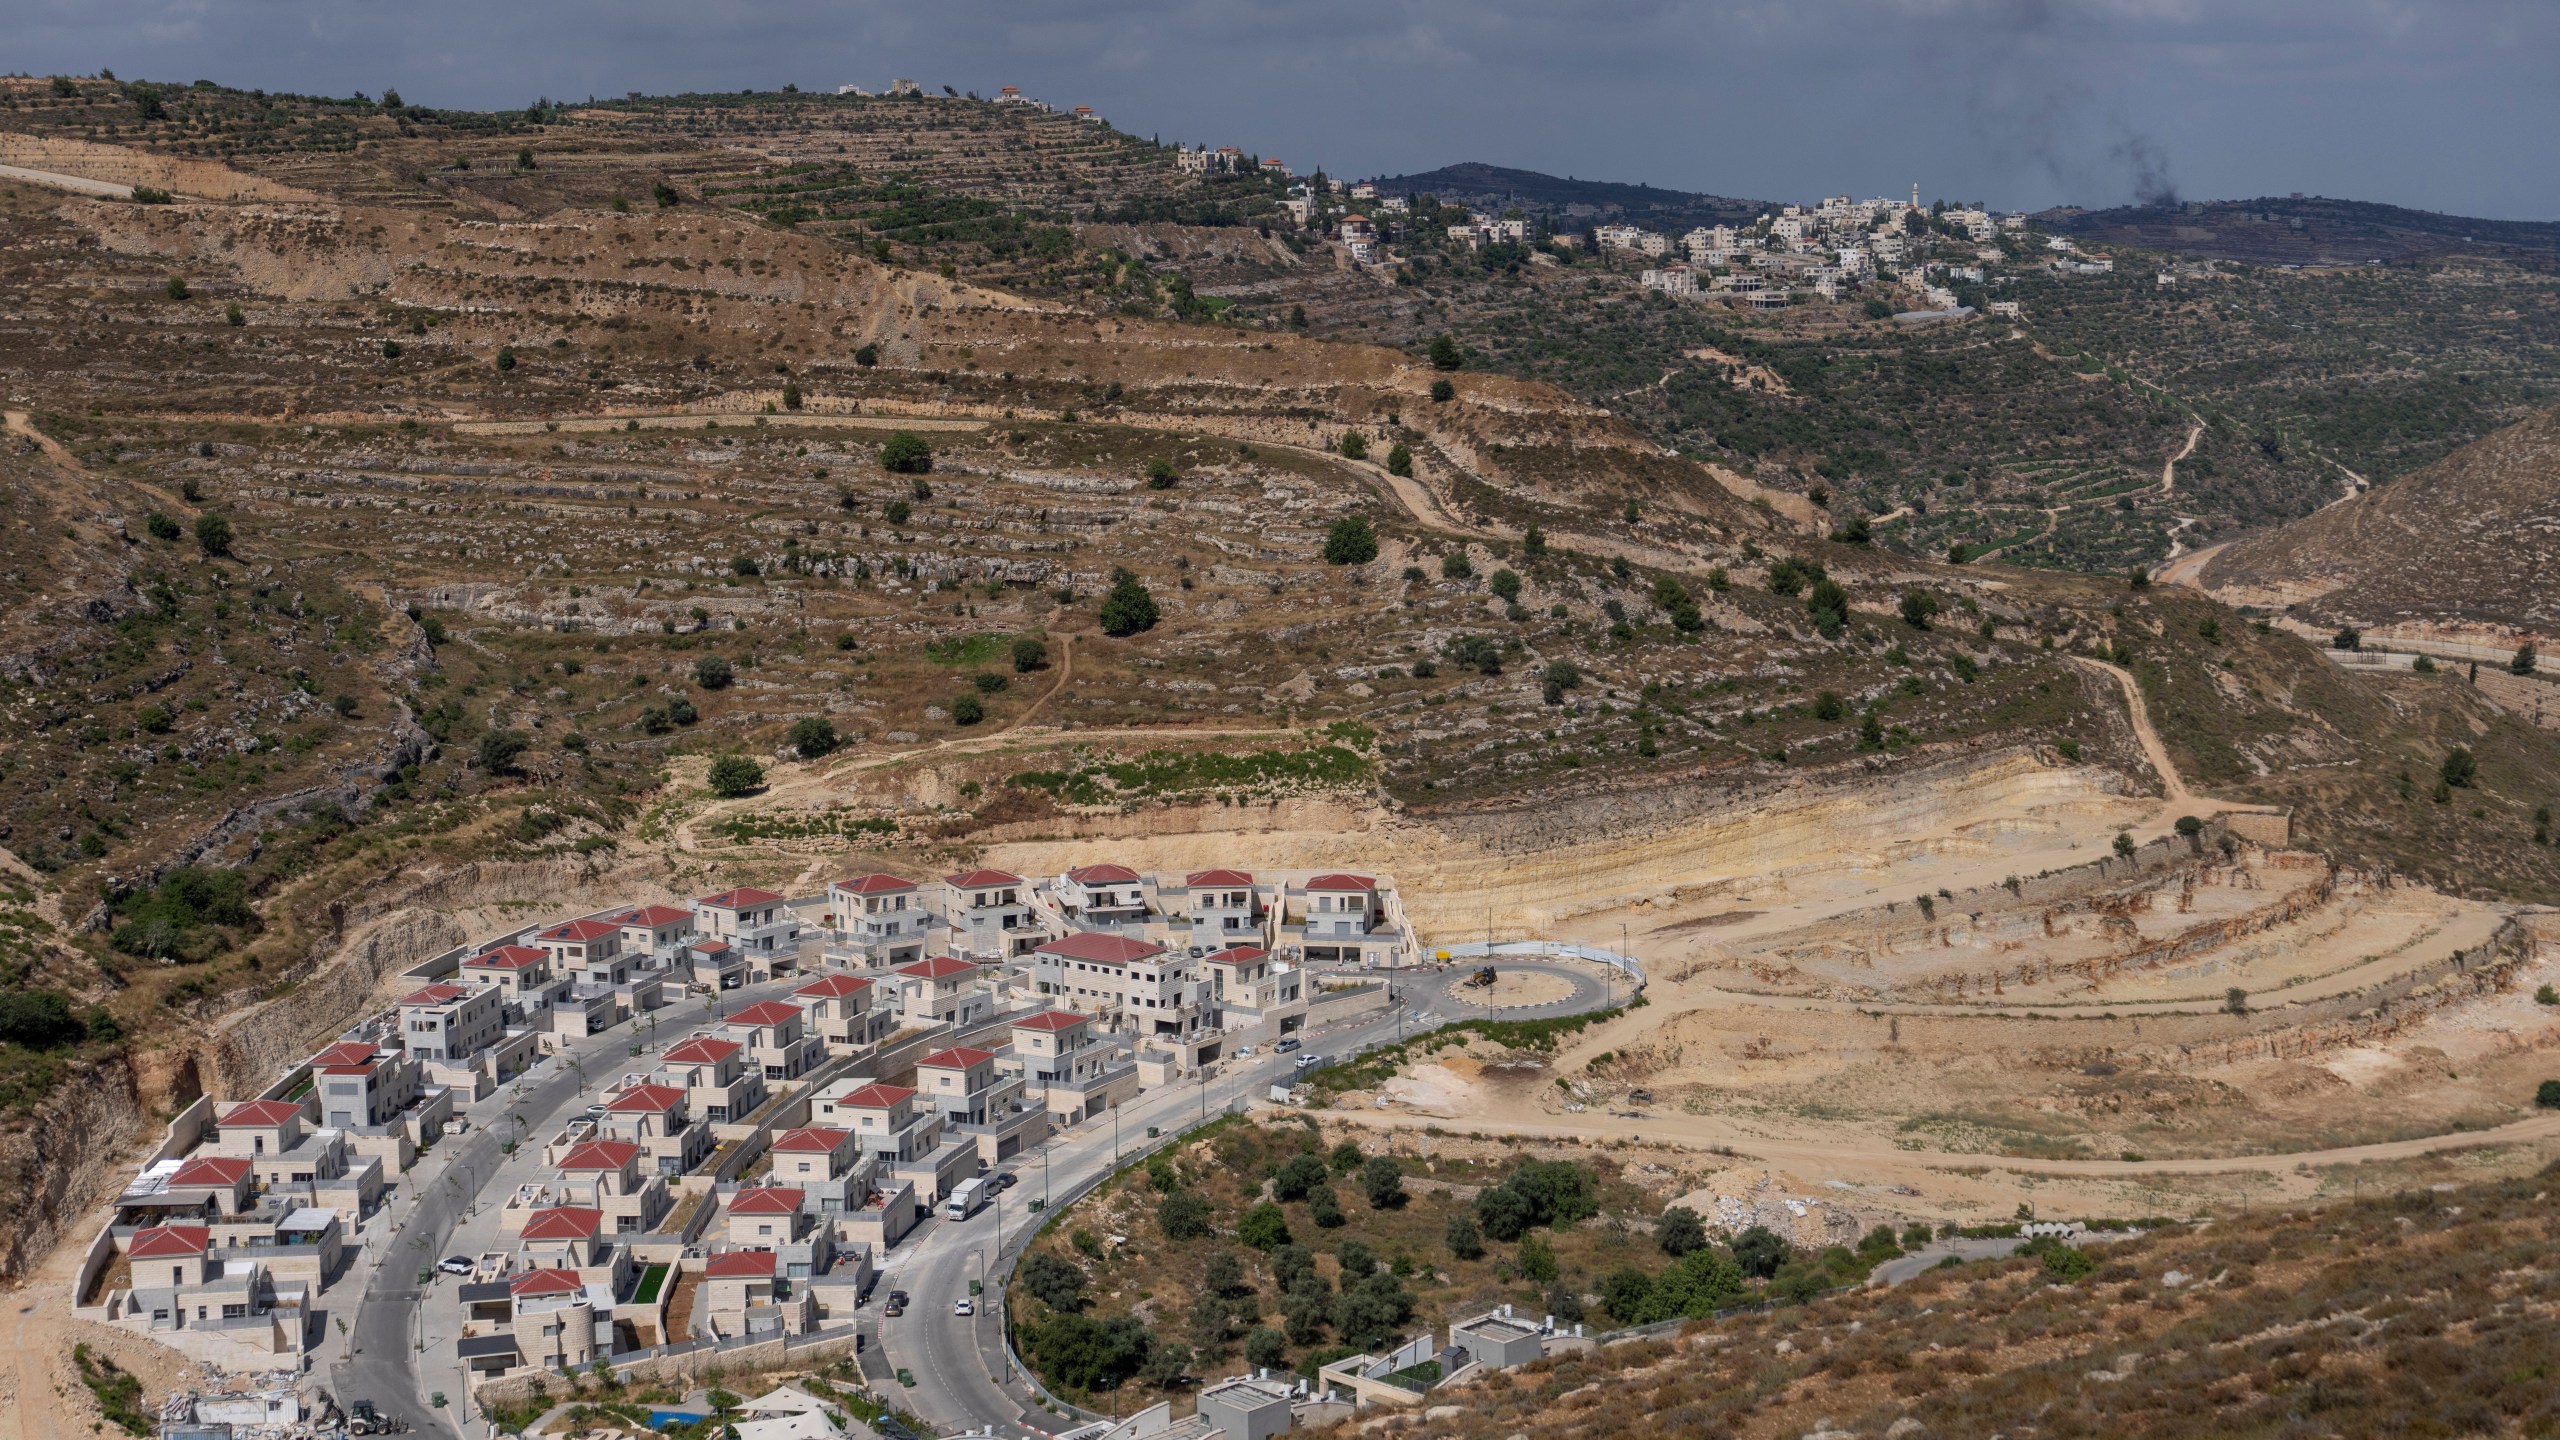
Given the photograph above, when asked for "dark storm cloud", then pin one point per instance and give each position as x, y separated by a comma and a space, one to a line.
2018, 102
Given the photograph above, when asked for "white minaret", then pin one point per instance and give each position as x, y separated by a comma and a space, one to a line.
1915, 194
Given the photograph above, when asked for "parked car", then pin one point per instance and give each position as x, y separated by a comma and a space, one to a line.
1005, 1181
895, 1308
1310, 1060
455, 1264
898, 1297
1244, 1052
964, 1306
1285, 1046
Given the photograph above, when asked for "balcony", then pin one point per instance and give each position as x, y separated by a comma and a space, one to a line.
1084, 1089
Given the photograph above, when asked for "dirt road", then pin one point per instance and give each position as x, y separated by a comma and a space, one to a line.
1871, 1157
2169, 471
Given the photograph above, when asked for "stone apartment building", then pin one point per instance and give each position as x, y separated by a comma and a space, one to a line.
776, 1034
990, 914
719, 1084
1067, 1068
840, 1014
523, 976
1132, 985
1224, 907
981, 1102
877, 922
659, 1119
1102, 897
825, 1163
605, 1175
943, 989
755, 922
451, 1022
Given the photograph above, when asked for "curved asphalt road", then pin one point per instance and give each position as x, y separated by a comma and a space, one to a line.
1444, 992
959, 1365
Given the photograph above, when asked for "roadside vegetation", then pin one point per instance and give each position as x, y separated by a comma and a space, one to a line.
1261, 1242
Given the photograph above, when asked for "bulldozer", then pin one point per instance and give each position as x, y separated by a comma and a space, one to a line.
1482, 979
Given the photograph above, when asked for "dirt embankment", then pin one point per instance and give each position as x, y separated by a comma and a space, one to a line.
122, 165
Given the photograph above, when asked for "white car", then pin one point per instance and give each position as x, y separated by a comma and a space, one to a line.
964, 1306
455, 1265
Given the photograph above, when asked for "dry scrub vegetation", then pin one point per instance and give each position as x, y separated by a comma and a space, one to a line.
2421, 1313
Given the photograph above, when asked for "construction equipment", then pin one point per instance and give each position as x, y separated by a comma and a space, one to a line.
362, 1419
1481, 979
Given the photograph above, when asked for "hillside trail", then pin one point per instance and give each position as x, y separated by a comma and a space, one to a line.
2179, 799
2169, 470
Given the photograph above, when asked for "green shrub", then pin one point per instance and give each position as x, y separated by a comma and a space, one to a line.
734, 775
1129, 608
906, 453
967, 709
1351, 541
813, 736
213, 534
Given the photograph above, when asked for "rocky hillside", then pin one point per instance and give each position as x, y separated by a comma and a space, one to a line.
2423, 1312
2472, 541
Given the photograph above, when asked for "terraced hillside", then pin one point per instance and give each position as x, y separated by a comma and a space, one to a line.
536, 505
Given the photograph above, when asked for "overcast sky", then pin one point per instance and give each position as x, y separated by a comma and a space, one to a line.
2442, 104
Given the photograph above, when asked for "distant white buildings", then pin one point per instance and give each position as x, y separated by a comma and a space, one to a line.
1675, 279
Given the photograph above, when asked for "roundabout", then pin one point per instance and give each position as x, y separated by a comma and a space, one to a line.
1544, 987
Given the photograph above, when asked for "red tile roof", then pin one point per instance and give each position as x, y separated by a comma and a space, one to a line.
656, 915
703, 1051
546, 1282
765, 1200
771, 1012
509, 957
1102, 949
600, 1155
958, 1057
1342, 882
434, 995
564, 1222
162, 1241
580, 930
211, 1170
1218, 877
709, 947
735, 1263
1050, 1020
745, 897
940, 967
261, 1112
832, 987
347, 1052
878, 1097
1103, 875
982, 879
821, 1138
874, 885
646, 1098
1238, 955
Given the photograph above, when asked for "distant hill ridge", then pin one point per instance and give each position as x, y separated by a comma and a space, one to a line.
2301, 230
1496, 186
